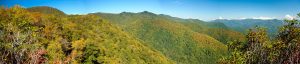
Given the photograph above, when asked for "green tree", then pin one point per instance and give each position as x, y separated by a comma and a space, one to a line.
288, 43
259, 49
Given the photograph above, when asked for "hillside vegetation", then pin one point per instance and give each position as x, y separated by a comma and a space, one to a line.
39, 37
176, 38
47, 35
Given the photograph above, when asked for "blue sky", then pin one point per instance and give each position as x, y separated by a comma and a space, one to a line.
197, 9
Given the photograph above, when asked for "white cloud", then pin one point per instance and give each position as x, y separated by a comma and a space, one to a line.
220, 18
241, 18
263, 18
289, 17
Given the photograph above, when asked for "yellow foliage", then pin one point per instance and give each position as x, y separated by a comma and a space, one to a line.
54, 50
79, 44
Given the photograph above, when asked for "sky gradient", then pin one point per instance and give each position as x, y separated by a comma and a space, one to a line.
196, 9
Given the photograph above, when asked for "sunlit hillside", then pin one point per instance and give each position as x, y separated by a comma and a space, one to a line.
37, 37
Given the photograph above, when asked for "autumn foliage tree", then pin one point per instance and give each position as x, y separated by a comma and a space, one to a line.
18, 32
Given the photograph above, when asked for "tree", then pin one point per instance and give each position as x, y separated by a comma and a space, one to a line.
289, 42
17, 35
259, 49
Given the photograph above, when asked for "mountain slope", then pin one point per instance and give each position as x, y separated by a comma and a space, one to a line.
29, 37
118, 46
172, 38
46, 10
217, 30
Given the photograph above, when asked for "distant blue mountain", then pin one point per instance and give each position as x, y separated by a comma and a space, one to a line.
242, 25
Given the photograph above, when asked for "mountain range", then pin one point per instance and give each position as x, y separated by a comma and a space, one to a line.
129, 38
242, 25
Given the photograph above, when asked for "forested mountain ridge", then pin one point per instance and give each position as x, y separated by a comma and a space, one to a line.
169, 34
217, 30
46, 10
35, 37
